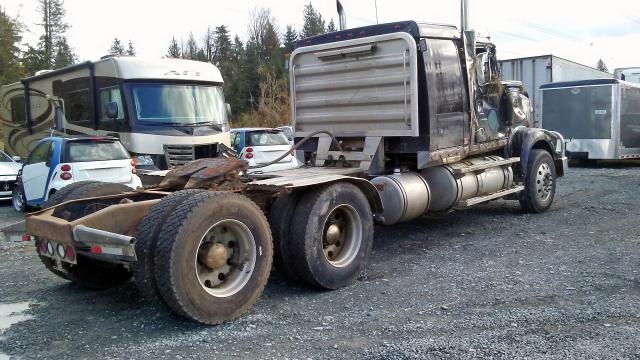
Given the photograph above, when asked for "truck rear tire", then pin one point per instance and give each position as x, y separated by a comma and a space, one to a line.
213, 257
332, 236
280, 220
87, 189
87, 272
540, 182
146, 241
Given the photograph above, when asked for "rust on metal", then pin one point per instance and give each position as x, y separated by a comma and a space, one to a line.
213, 173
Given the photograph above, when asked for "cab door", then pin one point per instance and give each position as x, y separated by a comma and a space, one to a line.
35, 172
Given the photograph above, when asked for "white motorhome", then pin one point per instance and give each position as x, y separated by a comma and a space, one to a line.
631, 74
165, 111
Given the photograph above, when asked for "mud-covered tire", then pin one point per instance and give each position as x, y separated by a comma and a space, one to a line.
310, 248
539, 183
87, 189
280, 220
146, 241
61, 195
177, 262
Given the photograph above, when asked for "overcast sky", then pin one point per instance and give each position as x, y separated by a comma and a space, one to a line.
582, 31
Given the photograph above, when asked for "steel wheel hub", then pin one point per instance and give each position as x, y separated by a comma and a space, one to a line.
544, 182
342, 236
226, 258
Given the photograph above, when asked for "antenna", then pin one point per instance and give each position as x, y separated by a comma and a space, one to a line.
375, 2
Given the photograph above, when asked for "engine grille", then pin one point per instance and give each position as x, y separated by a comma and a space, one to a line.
6, 185
177, 155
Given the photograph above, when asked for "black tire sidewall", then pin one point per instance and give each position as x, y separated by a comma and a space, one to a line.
184, 279
17, 190
280, 219
538, 157
320, 271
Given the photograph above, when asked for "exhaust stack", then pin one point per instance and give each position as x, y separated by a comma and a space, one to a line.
464, 15
342, 16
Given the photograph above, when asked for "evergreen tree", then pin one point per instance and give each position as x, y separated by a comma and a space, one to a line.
602, 66
54, 27
10, 36
33, 60
64, 54
191, 52
313, 22
331, 27
174, 49
131, 50
117, 48
290, 39
222, 42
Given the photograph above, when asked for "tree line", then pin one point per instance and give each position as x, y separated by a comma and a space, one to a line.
254, 70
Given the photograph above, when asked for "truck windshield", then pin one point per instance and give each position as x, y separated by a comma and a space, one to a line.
176, 104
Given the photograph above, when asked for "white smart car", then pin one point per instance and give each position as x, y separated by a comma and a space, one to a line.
57, 162
260, 146
9, 168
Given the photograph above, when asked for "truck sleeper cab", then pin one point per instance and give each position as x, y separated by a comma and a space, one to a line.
167, 112
393, 121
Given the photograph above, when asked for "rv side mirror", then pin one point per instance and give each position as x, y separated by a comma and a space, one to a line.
112, 110
228, 107
17, 158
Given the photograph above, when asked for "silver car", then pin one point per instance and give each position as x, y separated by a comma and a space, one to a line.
9, 168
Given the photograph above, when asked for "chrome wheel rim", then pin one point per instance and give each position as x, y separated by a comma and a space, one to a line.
544, 182
18, 202
342, 236
225, 258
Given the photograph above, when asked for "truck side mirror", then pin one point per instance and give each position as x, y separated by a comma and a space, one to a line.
112, 110
481, 61
228, 107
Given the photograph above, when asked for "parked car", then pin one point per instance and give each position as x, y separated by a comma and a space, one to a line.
259, 146
57, 162
9, 168
288, 132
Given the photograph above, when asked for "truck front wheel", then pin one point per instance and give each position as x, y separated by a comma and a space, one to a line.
540, 183
213, 257
331, 236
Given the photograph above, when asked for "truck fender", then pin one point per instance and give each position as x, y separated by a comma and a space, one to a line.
523, 140
369, 191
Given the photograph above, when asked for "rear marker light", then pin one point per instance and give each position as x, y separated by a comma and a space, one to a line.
70, 254
95, 249
248, 156
249, 150
43, 246
61, 251
66, 176
49, 248
65, 167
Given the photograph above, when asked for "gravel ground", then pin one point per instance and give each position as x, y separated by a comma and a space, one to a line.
489, 282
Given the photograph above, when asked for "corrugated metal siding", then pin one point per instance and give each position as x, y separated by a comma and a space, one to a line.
368, 94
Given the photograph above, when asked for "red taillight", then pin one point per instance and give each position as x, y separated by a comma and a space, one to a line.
43, 246
133, 170
95, 249
26, 237
66, 176
248, 156
65, 167
249, 150
70, 254
133, 162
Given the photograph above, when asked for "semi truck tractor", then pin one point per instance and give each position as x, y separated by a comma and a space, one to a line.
392, 122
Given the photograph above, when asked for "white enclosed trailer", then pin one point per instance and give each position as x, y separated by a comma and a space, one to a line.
599, 119
536, 71
631, 74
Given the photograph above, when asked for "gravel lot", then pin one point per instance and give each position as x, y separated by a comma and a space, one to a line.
489, 282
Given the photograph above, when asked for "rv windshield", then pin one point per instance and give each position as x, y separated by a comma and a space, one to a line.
177, 104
